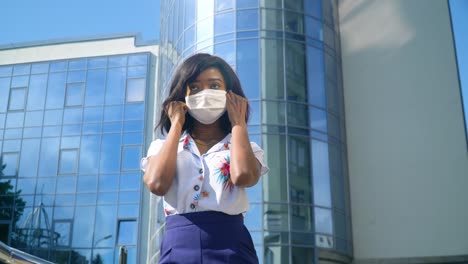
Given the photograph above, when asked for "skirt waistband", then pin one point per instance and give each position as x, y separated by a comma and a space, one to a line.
206, 217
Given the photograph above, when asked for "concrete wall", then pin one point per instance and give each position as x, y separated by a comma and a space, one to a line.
408, 156
73, 49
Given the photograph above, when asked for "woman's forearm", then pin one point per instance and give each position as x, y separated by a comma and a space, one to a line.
244, 167
162, 167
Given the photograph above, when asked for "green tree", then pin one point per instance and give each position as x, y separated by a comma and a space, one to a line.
8, 200
97, 259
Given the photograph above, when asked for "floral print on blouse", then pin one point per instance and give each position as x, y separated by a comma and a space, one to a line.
224, 174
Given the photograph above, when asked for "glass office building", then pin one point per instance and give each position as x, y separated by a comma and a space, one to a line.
287, 55
72, 133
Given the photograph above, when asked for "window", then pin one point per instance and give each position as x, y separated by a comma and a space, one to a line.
19, 81
49, 157
136, 71
72, 115
97, 63
40, 68
74, 94
127, 232
14, 119
115, 85
113, 113
4, 93
189, 39
63, 228
92, 114
318, 119
189, 13
299, 170
5, 71
136, 90
117, 61
76, 76
323, 221
224, 23
77, 64
131, 181
247, 67
315, 74
140, 59
10, 160
29, 157
110, 153
226, 50
56, 90
21, 69
95, 87
53, 117
58, 66
17, 99
68, 161
82, 233
275, 183
130, 157
134, 112
295, 72
37, 92
321, 173
66, 184
294, 22
272, 20
247, 20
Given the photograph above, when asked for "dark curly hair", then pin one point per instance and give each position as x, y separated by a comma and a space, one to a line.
187, 72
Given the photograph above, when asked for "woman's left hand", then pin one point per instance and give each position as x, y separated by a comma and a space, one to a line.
236, 107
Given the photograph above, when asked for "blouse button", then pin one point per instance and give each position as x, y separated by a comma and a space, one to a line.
192, 206
196, 187
200, 171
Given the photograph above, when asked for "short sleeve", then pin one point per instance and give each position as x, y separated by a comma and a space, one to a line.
153, 149
258, 152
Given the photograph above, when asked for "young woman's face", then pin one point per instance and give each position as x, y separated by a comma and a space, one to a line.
210, 78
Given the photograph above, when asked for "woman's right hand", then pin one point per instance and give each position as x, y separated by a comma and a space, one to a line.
176, 112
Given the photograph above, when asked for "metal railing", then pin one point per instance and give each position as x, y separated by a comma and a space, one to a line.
13, 255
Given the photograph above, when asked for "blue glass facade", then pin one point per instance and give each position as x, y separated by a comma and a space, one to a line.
72, 134
287, 55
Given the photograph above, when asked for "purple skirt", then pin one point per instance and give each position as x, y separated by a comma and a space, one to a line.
207, 237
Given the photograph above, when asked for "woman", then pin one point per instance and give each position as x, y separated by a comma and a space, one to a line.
204, 165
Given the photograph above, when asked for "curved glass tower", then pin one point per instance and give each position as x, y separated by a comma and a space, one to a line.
287, 55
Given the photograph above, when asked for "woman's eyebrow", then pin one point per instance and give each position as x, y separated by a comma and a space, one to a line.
208, 80
215, 79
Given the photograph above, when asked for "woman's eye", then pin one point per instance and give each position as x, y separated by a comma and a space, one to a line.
215, 86
193, 87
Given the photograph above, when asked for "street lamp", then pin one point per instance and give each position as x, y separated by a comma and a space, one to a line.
101, 239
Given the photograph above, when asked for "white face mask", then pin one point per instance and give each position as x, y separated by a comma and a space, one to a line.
207, 105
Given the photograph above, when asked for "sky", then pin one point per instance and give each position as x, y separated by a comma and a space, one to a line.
23, 21
459, 9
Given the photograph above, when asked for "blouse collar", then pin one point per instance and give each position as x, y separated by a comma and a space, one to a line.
188, 144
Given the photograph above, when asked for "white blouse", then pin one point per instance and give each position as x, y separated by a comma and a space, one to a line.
203, 182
